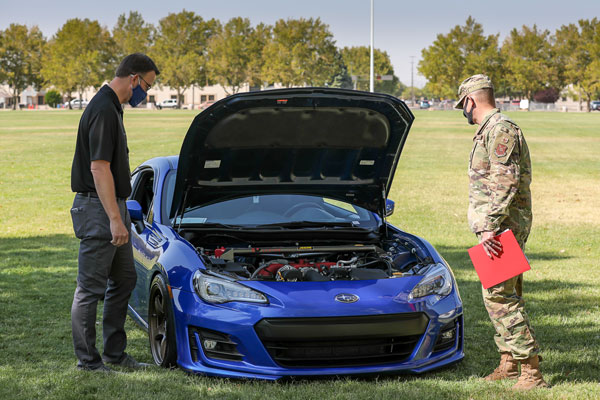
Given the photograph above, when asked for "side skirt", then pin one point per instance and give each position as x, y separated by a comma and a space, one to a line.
137, 318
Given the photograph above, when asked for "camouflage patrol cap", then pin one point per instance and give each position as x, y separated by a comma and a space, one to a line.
470, 85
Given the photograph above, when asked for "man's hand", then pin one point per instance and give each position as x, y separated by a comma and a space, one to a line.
490, 244
105, 187
120, 236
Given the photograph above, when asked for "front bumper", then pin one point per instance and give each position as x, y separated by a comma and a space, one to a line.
268, 342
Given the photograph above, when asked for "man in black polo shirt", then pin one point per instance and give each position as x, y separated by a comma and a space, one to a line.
101, 178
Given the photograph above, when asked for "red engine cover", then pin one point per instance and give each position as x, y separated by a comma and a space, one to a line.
271, 270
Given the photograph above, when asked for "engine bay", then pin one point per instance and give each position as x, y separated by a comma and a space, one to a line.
392, 258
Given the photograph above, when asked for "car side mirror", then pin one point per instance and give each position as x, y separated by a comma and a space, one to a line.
135, 210
389, 207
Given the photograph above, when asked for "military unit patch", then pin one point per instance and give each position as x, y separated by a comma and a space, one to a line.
500, 150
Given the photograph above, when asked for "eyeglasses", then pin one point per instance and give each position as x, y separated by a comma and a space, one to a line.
148, 86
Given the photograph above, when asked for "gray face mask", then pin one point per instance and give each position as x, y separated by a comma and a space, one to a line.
468, 115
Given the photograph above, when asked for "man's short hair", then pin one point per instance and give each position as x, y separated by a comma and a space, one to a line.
485, 95
136, 63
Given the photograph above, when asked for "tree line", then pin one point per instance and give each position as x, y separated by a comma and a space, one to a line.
531, 63
188, 50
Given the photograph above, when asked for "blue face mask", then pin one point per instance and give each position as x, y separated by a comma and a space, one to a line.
137, 96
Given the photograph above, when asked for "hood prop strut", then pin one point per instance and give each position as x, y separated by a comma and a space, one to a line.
182, 209
383, 208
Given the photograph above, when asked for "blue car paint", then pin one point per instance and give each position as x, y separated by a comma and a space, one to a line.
177, 260
238, 320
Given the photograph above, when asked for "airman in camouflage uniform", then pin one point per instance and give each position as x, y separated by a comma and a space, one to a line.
500, 199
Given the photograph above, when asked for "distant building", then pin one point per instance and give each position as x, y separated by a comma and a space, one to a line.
193, 97
29, 98
197, 97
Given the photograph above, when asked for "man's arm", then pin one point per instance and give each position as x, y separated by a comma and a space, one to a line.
504, 176
105, 187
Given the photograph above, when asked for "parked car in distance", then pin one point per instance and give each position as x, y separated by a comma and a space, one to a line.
75, 103
424, 104
169, 103
595, 105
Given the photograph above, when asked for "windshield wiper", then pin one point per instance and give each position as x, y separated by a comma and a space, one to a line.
212, 225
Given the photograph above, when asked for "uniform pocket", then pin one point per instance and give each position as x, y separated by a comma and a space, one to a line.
79, 221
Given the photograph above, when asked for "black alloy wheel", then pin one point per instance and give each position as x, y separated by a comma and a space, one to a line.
161, 327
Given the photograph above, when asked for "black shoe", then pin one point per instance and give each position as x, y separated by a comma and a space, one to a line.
101, 368
131, 363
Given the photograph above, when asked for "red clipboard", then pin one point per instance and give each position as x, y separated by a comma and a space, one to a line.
510, 263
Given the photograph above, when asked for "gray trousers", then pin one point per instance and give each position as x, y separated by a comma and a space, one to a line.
104, 271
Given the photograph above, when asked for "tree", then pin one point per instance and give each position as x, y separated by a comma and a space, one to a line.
358, 61
131, 35
408, 92
342, 78
79, 55
300, 52
578, 49
549, 95
233, 54
463, 52
180, 49
261, 36
20, 58
52, 98
529, 61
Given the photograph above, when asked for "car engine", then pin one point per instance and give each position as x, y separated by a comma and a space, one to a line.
397, 257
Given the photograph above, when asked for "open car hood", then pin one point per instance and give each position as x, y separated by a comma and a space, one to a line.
341, 144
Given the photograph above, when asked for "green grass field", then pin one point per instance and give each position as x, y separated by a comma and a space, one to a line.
38, 262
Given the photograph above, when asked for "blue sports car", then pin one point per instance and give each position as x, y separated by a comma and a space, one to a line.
263, 251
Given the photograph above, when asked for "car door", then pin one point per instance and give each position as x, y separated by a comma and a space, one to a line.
145, 239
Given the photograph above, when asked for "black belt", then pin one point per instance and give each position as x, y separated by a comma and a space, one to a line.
94, 194
88, 194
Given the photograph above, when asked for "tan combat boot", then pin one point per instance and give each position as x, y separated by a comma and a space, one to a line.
508, 368
530, 377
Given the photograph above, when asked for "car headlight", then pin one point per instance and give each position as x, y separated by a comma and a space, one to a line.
437, 280
216, 290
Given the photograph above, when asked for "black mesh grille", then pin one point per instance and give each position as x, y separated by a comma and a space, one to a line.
342, 341
342, 353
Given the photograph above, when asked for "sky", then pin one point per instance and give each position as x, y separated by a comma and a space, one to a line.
402, 28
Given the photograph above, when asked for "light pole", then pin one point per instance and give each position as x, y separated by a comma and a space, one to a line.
371, 73
412, 84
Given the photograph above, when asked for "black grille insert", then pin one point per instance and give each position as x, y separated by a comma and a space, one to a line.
447, 337
342, 341
214, 345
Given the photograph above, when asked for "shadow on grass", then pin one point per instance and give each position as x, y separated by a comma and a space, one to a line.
43, 252
557, 309
458, 257
37, 280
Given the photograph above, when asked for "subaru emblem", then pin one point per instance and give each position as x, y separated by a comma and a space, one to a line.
346, 298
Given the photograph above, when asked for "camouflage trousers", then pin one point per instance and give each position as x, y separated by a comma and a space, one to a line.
505, 306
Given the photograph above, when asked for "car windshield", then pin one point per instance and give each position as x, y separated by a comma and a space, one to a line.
269, 211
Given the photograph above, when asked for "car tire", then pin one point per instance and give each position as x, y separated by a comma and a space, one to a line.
161, 325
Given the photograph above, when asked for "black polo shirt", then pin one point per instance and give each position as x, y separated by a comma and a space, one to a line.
101, 136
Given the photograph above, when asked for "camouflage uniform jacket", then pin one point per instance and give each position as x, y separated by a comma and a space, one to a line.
499, 178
